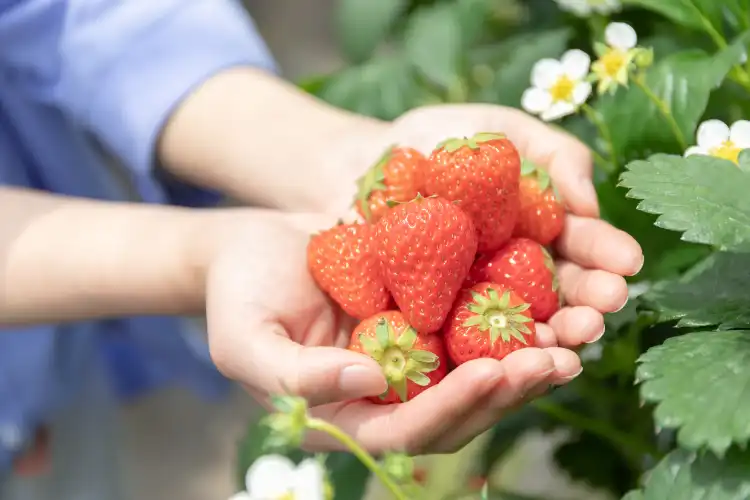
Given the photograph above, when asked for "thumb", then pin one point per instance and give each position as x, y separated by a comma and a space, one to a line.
269, 361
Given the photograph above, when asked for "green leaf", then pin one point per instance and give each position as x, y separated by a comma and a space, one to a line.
682, 475
697, 14
700, 383
348, 475
434, 43
363, 24
684, 82
745, 160
384, 88
716, 292
596, 462
702, 196
507, 65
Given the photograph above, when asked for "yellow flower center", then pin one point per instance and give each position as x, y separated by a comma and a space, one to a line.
728, 150
562, 90
286, 496
612, 62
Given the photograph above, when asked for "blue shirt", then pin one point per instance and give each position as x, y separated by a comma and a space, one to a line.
79, 78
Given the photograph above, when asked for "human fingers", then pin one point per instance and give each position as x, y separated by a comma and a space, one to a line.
595, 244
574, 326
604, 291
266, 319
259, 353
412, 426
529, 372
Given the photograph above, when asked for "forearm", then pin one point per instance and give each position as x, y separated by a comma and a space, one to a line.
66, 258
261, 140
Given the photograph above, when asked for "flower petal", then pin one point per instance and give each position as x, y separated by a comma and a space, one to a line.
581, 92
535, 100
576, 64
545, 73
696, 150
606, 6
739, 134
712, 133
270, 476
242, 495
620, 36
579, 7
309, 481
558, 110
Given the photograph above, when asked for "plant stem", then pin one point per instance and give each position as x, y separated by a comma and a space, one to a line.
634, 449
597, 120
739, 74
663, 109
359, 452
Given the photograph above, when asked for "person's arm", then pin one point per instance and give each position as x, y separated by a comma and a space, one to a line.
67, 258
248, 133
121, 68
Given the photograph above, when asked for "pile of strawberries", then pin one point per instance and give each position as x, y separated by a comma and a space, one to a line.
448, 264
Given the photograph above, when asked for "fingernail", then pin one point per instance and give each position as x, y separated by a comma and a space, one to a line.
640, 266
568, 379
622, 306
358, 381
599, 336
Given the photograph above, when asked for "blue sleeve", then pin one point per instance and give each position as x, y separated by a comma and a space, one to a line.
119, 67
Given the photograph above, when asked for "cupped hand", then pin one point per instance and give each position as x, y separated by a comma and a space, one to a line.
271, 329
593, 256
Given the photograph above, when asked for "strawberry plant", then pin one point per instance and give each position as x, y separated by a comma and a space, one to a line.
660, 92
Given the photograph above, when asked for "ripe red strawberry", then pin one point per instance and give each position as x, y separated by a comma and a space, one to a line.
481, 174
397, 176
527, 268
343, 263
542, 215
488, 321
411, 363
425, 247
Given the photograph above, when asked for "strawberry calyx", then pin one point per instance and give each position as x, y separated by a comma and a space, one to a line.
543, 179
549, 263
372, 180
397, 357
493, 314
416, 199
473, 142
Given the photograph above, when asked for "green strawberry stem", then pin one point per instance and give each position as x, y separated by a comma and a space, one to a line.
359, 452
493, 313
372, 180
401, 363
473, 142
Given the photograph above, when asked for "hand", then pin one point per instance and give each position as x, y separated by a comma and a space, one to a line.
593, 255
271, 329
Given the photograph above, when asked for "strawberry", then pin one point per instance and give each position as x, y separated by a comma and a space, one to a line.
527, 268
343, 263
425, 247
397, 176
488, 321
482, 175
411, 363
542, 215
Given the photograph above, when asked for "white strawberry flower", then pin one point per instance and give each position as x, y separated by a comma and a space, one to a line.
585, 8
616, 57
716, 138
558, 88
275, 477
